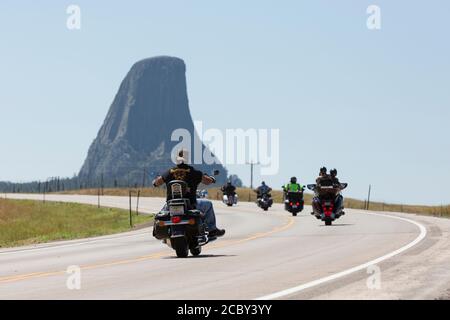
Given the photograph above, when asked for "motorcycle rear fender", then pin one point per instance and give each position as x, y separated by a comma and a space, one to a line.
177, 231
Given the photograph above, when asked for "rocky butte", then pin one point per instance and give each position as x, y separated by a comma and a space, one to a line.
134, 142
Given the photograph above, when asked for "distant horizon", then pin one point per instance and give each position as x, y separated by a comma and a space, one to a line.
372, 103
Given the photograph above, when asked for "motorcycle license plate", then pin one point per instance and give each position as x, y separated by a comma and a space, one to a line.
328, 203
295, 207
176, 210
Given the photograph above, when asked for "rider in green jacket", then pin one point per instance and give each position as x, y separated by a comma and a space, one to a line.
293, 186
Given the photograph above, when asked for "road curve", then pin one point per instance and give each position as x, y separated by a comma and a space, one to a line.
263, 255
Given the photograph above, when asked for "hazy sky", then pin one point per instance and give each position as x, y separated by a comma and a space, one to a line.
373, 104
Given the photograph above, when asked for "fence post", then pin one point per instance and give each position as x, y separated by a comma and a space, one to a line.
131, 217
137, 202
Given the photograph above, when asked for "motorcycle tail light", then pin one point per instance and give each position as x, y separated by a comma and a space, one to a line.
192, 221
176, 219
290, 203
162, 223
298, 203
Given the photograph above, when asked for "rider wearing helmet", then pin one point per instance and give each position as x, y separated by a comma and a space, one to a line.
323, 175
333, 174
323, 178
293, 186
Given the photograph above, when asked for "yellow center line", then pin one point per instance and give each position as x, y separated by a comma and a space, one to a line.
34, 275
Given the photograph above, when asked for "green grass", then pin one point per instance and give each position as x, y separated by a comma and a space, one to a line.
25, 222
246, 194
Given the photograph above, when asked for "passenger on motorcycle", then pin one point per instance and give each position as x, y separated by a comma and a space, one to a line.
183, 171
339, 199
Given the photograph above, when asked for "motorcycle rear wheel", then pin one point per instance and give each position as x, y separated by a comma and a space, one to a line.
181, 247
328, 222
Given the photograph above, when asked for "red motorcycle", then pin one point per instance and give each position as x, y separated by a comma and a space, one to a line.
327, 203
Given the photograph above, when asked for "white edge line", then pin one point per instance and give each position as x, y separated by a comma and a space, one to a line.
286, 292
59, 246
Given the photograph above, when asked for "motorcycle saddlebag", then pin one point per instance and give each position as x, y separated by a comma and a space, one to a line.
161, 232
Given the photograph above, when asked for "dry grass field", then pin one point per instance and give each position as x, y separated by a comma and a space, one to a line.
25, 222
246, 194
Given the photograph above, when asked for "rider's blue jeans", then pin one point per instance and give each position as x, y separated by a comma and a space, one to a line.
207, 208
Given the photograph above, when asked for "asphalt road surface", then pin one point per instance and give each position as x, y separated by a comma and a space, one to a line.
264, 255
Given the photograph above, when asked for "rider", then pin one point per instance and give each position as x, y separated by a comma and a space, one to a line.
183, 171
293, 186
323, 176
228, 189
339, 198
263, 189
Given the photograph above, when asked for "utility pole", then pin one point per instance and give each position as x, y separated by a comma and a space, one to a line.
368, 197
143, 178
251, 163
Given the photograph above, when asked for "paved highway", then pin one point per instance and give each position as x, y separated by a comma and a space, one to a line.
268, 255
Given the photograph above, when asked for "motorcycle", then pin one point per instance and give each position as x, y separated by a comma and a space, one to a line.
265, 202
202, 194
324, 204
230, 199
294, 202
178, 225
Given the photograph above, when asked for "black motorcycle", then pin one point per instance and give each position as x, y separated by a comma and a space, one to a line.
179, 225
294, 202
324, 203
230, 199
265, 201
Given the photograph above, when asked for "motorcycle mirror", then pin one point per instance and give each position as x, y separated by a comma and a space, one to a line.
311, 187
344, 185
216, 172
